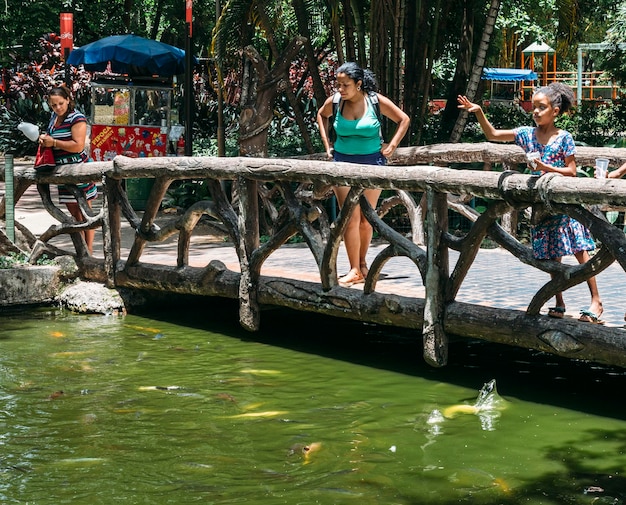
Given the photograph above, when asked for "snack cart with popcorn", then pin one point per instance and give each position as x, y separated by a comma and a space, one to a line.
134, 118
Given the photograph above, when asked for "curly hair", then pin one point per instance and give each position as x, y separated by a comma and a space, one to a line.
356, 73
560, 95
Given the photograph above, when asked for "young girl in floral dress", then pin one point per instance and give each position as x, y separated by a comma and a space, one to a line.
554, 236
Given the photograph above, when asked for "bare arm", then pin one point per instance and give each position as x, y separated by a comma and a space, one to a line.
324, 112
398, 116
75, 145
490, 132
568, 170
618, 173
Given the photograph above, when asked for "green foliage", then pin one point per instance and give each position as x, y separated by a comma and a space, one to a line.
284, 136
597, 123
206, 145
12, 259
183, 194
501, 116
614, 59
11, 139
23, 23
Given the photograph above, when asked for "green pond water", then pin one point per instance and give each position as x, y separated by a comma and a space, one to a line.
183, 406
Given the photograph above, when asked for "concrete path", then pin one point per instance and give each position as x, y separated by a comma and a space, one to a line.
496, 279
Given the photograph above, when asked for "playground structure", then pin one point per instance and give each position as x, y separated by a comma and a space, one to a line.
539, 68
588, 83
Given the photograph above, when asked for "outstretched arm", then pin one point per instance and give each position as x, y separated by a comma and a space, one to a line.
490, 132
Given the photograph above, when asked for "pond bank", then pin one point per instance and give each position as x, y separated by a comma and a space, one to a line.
57, 284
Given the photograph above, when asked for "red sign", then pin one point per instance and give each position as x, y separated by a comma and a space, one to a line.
67, 32
107, 141
189, 14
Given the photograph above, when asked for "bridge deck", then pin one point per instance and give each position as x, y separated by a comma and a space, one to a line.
496, 279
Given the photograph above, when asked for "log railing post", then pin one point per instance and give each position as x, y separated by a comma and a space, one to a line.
111, 230
249, 312
434, 336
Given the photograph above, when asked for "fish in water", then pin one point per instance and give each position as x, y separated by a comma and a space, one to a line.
455, 410
257, 371
143, 328
305, 450
227, 397
487, 406
473, 479
159, 388
257, 415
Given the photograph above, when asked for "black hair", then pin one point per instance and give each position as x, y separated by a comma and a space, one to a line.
560, 95
356, 73
63, 92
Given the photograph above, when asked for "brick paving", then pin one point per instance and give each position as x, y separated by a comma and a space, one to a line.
495, 279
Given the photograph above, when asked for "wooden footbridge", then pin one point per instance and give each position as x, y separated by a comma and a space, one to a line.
288, 196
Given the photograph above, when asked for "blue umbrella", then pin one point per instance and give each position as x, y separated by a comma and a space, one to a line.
130, 54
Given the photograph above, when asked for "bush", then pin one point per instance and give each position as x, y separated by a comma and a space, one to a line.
24, 98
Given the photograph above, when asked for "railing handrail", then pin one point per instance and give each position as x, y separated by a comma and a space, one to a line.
435, 154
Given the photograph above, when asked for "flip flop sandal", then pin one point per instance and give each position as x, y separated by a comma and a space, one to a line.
354, 279
586, 316
556, 312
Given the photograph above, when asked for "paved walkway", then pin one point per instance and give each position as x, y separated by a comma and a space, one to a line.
496, 279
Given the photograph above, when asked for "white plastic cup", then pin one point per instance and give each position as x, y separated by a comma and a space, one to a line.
532, 158
602, 167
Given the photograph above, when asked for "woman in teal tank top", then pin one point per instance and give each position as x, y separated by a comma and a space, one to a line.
359, 141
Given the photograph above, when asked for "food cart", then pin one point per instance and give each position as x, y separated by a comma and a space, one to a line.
135, 118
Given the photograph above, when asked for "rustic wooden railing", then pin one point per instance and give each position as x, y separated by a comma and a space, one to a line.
301, 181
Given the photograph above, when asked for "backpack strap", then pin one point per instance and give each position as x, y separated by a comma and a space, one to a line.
332, 136
372, 97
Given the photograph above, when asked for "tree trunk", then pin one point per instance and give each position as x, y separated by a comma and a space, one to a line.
426, 76
348, 31
260, 86
477, 68
156, 22
336, 29
126, 14
303, 27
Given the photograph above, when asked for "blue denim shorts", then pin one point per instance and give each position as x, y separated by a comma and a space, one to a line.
361, 159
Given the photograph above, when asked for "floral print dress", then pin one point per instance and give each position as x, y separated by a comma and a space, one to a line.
557, 235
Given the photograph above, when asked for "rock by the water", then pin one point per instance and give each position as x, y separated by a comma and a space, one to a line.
91, 298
